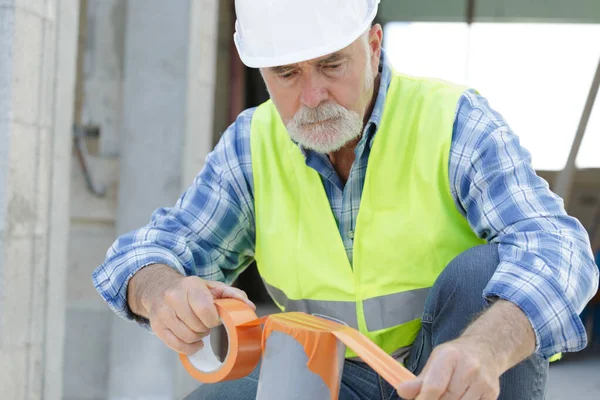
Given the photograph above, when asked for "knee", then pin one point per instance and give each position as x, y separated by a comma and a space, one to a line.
476, 264
457, 295
469, 272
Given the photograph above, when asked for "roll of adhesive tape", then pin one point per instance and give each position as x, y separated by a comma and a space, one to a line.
245, 336
244, 350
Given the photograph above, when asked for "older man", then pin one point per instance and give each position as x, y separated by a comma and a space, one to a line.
405, 207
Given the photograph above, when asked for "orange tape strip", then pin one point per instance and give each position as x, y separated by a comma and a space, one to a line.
297, 324
317, 335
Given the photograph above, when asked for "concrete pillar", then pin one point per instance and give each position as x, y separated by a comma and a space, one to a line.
37, 73
168, 90
103, 71
92, 230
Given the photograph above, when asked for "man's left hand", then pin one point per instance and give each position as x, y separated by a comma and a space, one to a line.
461, 369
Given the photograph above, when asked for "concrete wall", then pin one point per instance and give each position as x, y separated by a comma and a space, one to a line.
37, 69
86, 366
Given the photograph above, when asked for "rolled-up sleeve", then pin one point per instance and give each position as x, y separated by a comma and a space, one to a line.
209, 232
546, 262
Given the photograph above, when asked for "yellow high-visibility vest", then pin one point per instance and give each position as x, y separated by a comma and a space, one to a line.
407, 230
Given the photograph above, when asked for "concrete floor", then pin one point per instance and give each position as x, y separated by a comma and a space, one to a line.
576, 376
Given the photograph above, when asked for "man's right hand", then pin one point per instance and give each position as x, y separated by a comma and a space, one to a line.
180, 309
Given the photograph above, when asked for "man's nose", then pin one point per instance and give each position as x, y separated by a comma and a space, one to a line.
314, 92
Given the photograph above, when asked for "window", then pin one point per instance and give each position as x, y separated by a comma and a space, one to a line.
536, 75
428, 49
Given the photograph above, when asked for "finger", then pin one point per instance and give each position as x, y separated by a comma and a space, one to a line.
452, 395
188, 317
437, 378
473, 393
461, 380
410, 389
182, 331
202, 304
223, 291
174, 343
180, 305
489, 392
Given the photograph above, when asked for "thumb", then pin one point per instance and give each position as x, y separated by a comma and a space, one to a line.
221, 290
410, 389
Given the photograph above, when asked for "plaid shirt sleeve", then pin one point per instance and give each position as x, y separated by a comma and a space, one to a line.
546, 263
209, 232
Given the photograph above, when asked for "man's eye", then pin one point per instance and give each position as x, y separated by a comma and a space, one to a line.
287, 75
333, 67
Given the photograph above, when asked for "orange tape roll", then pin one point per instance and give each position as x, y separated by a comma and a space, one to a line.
317, 335
244, 350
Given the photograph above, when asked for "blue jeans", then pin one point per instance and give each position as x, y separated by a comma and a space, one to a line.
454, 300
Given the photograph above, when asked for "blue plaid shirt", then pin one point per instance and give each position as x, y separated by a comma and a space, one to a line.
546, 263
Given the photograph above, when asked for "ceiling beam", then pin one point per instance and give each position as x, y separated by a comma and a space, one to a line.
553, 11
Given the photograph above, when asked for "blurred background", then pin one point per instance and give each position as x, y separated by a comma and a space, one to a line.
109, 107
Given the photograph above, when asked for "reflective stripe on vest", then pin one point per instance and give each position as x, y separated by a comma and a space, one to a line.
380, 312
344, 311
394, 309
407, 230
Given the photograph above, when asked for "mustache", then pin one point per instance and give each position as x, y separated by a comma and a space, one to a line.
322, 113
325, 128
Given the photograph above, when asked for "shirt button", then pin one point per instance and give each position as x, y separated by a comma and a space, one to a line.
351, 234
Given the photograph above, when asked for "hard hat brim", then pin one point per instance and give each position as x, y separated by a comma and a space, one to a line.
309, 53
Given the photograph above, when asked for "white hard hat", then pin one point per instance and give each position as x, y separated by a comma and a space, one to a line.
270, 33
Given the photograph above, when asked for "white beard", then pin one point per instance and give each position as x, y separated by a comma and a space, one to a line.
325, 129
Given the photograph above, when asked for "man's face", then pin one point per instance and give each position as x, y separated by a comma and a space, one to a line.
323, 102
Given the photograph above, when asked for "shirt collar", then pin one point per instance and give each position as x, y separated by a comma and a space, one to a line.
385, 69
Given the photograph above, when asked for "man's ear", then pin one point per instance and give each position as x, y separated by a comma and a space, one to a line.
375, 42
